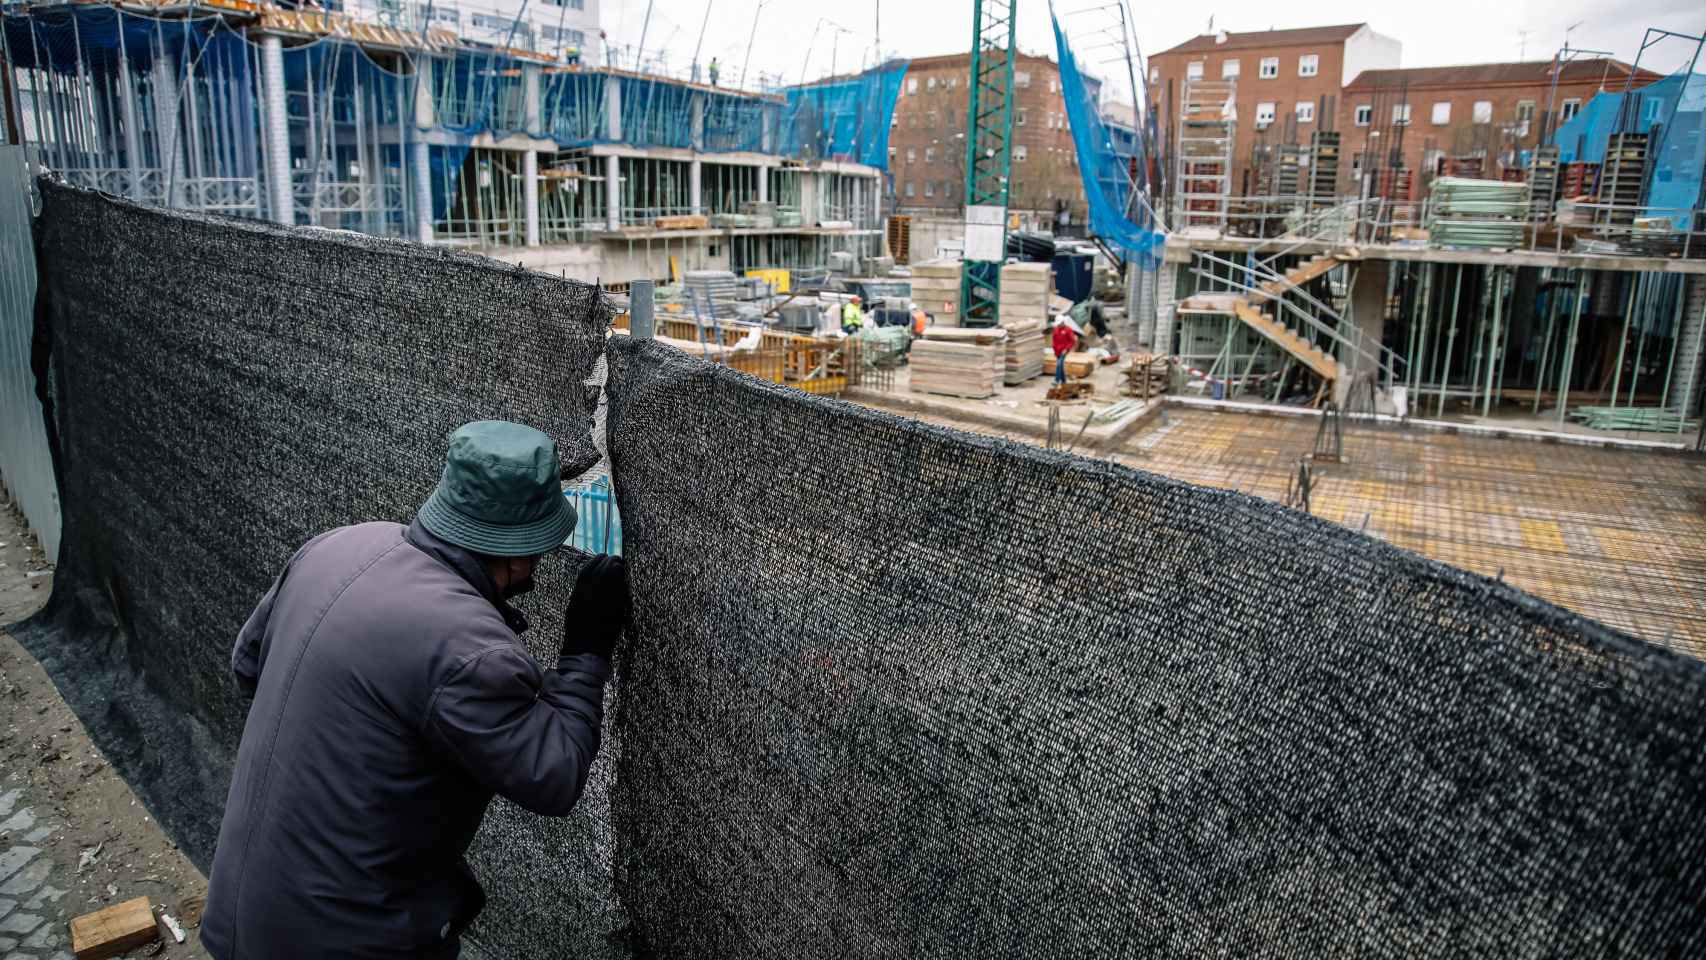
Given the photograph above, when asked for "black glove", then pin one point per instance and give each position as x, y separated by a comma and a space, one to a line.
598, 609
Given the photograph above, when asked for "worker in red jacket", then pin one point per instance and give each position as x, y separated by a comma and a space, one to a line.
1065, 341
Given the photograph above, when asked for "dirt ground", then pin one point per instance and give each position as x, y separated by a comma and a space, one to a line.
73, 836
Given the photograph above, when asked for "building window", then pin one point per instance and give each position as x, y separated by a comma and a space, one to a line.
1264, 114
1053, 84
1483, 111
1021, 79
1568, 109
930, 119
911, 154
1524, 116
1401, 115
1193, 70
1019, 118
1020, 153
930, 188
1442, 113
1269, 68
1365, 114
440, 14
929, 83
1154, 74
1228, 69
571, 4
1305, 111
953, 82
1650, 107
1432, 161
911, 87
929, 154
911, 191
1309, 65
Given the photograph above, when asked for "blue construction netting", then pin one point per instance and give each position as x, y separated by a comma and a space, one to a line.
1677, 106
844, 119
1107, 163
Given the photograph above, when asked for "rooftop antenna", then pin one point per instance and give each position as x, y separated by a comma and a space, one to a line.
1522, 44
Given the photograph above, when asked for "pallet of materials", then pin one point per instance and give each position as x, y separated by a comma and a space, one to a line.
936, 288
1149, 375
683, 222
1025, 348
959, 362
1477, 214
1026, 289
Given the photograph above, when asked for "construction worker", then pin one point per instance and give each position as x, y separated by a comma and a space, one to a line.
1064, 341
392, 698
716, 70
920, 320
852, 318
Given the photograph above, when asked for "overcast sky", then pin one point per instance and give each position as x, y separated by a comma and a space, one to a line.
801, 37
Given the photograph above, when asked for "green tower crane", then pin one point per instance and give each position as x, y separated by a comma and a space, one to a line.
989, 139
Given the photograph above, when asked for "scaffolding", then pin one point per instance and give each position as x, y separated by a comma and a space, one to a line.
1208, 121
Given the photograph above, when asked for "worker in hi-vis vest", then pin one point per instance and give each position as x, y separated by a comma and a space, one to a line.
852, 318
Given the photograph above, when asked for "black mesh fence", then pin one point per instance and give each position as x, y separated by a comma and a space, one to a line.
900, 691
224, 390
889, 690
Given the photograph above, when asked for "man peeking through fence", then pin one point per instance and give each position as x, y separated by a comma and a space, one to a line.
392, 699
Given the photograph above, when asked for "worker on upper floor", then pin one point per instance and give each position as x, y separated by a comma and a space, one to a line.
716, 70
852, 317
392, 698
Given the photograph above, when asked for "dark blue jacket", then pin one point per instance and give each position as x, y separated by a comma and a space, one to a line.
392, 699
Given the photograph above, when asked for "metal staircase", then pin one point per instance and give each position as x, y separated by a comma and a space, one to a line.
1296, 328
1207, 124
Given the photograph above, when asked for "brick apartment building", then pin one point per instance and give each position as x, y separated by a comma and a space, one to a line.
1281, 79
1471, 120
927, 146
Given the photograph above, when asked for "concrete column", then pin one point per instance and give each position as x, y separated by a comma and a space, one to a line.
696, 134
283, 200
612, 191
530, 194
1166, 285
425, 117
534, 103
764, 184
168, 127
856, 209
696, 186
612, 107
1367, 315
423, 188
132, 139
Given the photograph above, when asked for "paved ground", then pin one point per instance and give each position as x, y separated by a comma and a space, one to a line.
73, 837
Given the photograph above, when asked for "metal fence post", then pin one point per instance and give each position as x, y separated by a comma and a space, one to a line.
640, 306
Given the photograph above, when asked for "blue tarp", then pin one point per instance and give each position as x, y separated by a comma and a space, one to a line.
1678, 105
1104, 167
844, 119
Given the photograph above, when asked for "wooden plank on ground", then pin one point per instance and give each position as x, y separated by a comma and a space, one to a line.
116, 930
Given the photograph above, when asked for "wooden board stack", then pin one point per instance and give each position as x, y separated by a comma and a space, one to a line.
1026, 289
1149, 375
959, 361
1025, 346
936, 288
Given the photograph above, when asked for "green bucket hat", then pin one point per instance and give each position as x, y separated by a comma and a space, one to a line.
501, 493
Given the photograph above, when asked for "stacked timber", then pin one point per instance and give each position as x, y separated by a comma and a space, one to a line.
936, 288
1025, 347
959, 362
1026, 289
1477, 214
682, 222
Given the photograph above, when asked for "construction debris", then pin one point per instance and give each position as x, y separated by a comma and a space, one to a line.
113, 931
1149, 375
1074, 390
